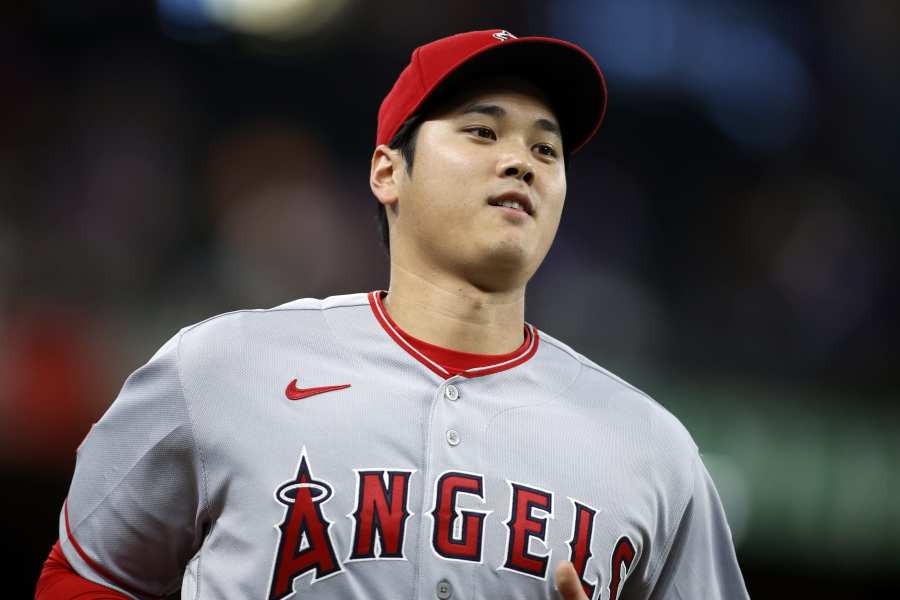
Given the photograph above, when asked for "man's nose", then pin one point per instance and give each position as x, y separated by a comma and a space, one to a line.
517, 167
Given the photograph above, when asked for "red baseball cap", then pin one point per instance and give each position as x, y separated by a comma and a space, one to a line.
567, 74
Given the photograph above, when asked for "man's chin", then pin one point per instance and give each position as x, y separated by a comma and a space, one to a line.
501, 266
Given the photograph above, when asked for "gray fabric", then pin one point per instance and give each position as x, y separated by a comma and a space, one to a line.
180, 479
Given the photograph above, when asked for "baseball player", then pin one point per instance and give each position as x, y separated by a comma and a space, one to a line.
420, 442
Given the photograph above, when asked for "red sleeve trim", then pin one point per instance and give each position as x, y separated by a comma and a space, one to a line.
58, 581
100, 569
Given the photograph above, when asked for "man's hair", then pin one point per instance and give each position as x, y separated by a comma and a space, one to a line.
405, 141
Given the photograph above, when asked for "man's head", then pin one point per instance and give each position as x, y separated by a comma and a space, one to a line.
475, 121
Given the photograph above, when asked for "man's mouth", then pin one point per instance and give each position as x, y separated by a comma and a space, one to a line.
513, 200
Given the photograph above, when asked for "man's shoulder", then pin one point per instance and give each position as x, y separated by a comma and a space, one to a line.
591, 370
229, 334
611, 398
303, 311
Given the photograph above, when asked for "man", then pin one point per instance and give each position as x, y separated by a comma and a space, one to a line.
416, 443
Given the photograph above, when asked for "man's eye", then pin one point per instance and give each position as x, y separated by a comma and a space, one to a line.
546, 150
484, 132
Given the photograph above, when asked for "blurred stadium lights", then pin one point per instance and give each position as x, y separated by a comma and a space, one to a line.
188, 20
278, 20
754, 86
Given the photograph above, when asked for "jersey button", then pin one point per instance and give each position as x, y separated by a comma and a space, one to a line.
452, 437
443, 589
451, 392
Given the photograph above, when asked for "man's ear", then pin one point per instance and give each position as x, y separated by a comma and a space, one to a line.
385, 174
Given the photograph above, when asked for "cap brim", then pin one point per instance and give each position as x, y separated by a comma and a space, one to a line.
568, 76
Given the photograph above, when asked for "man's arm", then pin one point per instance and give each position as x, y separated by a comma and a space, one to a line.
136, 509
701, 562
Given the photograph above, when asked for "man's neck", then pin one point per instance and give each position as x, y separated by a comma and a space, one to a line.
455, 314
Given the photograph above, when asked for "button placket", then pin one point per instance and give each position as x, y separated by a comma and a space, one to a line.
451, 393
449, 419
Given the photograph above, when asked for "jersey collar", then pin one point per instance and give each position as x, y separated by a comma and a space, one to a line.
384, 319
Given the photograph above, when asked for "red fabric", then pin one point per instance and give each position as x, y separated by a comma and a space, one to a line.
58, 581
454, 361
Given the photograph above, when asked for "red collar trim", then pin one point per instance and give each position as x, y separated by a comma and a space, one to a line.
383, 318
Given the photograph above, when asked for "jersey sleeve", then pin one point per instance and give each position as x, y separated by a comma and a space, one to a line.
701, 561
134, 515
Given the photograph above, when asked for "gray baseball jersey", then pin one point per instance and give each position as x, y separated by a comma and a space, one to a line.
308, 451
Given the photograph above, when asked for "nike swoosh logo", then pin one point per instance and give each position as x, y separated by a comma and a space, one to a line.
294, 393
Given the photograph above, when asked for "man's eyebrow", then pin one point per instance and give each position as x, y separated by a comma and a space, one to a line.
548, 125
492, 110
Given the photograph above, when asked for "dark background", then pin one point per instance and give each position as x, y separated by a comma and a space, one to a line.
729, 242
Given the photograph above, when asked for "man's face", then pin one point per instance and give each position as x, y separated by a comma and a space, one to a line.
498, 142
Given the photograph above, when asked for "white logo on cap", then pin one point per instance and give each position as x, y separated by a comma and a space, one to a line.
504, 35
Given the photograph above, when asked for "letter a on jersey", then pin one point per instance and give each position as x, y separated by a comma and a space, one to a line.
305, 544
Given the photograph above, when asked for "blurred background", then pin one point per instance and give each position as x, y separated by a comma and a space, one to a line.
729, 242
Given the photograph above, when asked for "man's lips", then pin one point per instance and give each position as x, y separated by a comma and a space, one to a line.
523, 201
